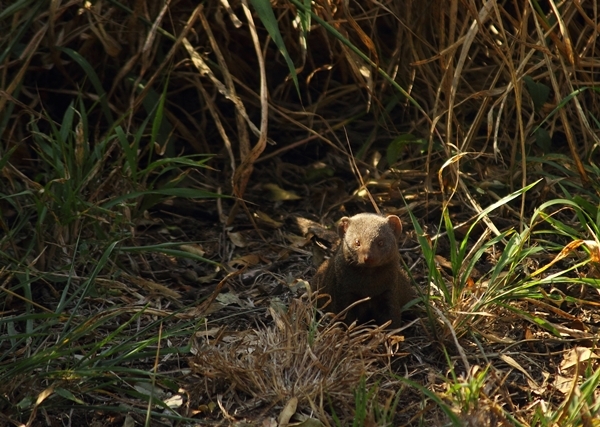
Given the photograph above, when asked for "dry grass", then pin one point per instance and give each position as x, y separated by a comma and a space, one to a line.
319, 365
100, 105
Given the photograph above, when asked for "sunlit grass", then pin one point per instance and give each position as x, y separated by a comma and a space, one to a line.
481, 117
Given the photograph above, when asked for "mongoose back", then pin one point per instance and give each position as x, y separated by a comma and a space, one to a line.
366, 264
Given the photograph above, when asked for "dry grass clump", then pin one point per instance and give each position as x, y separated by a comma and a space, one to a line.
103, 103
494, 81
297, 357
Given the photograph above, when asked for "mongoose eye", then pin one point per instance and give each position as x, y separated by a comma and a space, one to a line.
356, 243
380, 243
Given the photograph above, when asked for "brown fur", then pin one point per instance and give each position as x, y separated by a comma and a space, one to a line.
366, 264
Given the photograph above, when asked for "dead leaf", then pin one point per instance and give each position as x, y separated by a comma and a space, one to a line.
245, 261
204, 408
154, 287
296, 241
318, 171
148, 389
237, 239
203, 310
265, 219
470, 283
305, 224
208, 333
513, 363
174, 401
299, 285
577, 355
563, 384
528, 334
208, 278
309, 422
594, 248
543, 388
129, 421
228, 298
396, 339
277, 194
269, 422
193, 249
44, 395
578, 325
443, 262
288, 411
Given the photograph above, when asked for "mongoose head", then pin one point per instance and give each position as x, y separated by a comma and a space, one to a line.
370, 240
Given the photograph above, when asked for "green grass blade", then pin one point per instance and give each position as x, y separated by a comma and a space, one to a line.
130, 152
264, 11
190, 193
16, 7
435, 398
167, 248
94, 79
160, 132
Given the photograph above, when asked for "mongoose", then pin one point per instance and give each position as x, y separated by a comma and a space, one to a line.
366, 264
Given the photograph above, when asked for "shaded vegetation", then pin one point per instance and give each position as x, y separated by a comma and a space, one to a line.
169, 171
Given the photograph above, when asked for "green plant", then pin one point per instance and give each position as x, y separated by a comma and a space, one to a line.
67, 343
368, 408
464, 299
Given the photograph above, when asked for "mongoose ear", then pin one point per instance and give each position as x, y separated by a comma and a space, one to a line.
343, 226
395, 224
